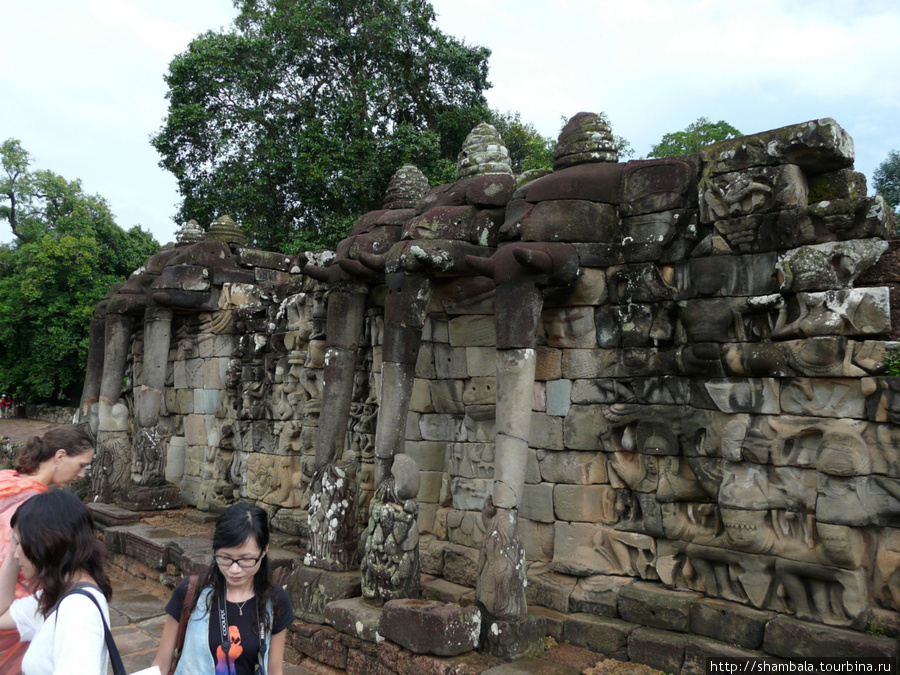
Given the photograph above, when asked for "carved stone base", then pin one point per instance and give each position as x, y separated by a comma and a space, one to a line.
511, 640
143, 498
311, 589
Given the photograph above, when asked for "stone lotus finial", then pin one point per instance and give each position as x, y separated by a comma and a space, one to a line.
483, 153
227, 231
406, 188
585, 138
190, 233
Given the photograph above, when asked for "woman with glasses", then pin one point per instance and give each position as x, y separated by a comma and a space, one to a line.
238, 617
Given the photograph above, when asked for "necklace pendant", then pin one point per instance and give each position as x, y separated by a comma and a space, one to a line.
240, 611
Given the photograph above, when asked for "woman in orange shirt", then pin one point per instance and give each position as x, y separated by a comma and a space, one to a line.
56, 459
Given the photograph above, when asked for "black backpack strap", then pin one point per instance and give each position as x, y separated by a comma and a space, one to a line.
115, 660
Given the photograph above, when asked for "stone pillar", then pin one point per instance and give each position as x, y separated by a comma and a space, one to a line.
346, 312
149, 441
90, 394
501, 581
332, 541
519, 270
112, 463
404, 317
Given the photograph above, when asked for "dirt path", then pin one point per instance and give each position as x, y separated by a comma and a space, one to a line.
20, 429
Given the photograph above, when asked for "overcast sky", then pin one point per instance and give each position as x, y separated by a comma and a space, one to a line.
82, 88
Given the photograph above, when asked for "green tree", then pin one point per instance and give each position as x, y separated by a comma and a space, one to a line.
294, 119
695, 136
68, 252
887, 179
528, 149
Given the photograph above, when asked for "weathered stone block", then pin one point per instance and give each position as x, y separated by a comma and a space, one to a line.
572, 467
607, 636
817, 146
823, 397
449, 362
353, 616
587, 290
311, 589
546, 432
537, 539
569, 327
791, 638
571, 220
465, 528
447, 395
699, 650
537, 503
429, 455
753, 190
587, 549
658, 649
549, 589
829, 266
461, 565
443, 428
471, 460
657, 607
585, 503
474, 330
598, 595
430, 627
481, 423
729, 622
480, 391
469, 493
654, 185
737, 395
481, 361
549, 364
559, 397
420, 400
595, 181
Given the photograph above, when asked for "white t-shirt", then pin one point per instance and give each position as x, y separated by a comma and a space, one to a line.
70, 641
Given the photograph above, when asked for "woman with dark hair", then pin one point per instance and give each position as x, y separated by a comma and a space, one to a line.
54, 545
238, 617
55, 459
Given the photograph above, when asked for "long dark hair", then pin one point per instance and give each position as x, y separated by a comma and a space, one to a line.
56, 533
74, 440
240, 522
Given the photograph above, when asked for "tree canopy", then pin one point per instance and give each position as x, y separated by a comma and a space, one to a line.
68, 253
528, 149
887, 179
693, 138
294, 119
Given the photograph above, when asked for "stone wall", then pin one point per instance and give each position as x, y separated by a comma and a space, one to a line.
50, 413
711, 411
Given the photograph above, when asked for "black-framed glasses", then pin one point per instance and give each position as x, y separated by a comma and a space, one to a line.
246, 563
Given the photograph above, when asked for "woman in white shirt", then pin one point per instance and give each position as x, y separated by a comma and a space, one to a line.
54, 545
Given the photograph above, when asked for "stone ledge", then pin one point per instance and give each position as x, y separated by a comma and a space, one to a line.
657, 607
791, 638
729, 622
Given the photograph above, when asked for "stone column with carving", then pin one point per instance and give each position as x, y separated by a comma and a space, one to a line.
524, 265
454, 221
333, 491
520, 270
112, 463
